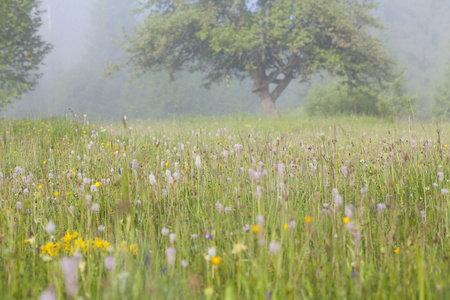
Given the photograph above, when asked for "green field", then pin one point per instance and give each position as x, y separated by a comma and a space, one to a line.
229, 208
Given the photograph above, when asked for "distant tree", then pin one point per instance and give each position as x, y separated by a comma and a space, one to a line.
22, 50
272, 42
442, 96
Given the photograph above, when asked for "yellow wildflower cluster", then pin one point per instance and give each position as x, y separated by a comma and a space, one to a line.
71, 244
131, 249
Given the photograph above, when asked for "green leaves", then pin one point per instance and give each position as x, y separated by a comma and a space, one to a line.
22, 49
262, 40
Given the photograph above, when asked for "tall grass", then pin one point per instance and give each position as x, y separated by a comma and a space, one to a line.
225, 208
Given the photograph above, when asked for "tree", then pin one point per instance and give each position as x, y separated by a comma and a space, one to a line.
21, 48
442, 96
272, 42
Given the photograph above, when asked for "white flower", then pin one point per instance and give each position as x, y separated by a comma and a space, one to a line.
274, 247
198, 162
292, 225
95, 207
184, 263
172, 238
69, 270
152, 179
109, 263
227, 209
165, 231
260, 220
211, 252
349, 211
194, 236
441, 176
219, 207
50, 227
48, 294
246, 227
444, 192
170, 256
381, 207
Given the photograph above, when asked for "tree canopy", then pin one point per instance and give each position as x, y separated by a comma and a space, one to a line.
22, 49
272, 42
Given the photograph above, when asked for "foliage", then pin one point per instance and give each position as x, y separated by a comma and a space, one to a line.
442, 96
261, 40
22, 50
237, 208
391, 101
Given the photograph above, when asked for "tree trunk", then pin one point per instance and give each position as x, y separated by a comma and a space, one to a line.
268, 105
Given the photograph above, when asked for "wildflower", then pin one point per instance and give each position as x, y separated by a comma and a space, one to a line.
238, 248
308, 219
292, 224
109, 263
397, 251
435, 184
246, 227
285, 226
227, 209
69, 270
346, 220
48, 294
349, 210
152, 179
260, 220
170, 256
344, 171
198, 162
56, 194
209, 291
219, 207
208, 236
441, 176
19, 205
165, 231
94, 188
274, 247
381, 207
172, 238
255, 228
194, 236
259, 191
211, 252
216, 260
184, 263
444, 192
422, 214
95, 207
50, 227
134, 165
164, 193
364, 190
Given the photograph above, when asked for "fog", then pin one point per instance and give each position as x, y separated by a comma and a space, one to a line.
83, 34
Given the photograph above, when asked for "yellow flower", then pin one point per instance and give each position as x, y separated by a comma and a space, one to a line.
40, 187
308, 219
216, 260
397, 251
238, 248
255, 229
285, 226
44, 162
56, 194
97, 184
209, 291
133, 249
346, 220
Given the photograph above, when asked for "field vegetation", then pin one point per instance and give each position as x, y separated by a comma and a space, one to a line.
224, 208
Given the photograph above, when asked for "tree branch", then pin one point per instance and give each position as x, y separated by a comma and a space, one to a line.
281, 86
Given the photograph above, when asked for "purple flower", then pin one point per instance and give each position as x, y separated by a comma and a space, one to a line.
208, 236
110, 263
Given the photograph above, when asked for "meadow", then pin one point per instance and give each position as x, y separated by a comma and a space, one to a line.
224, 208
